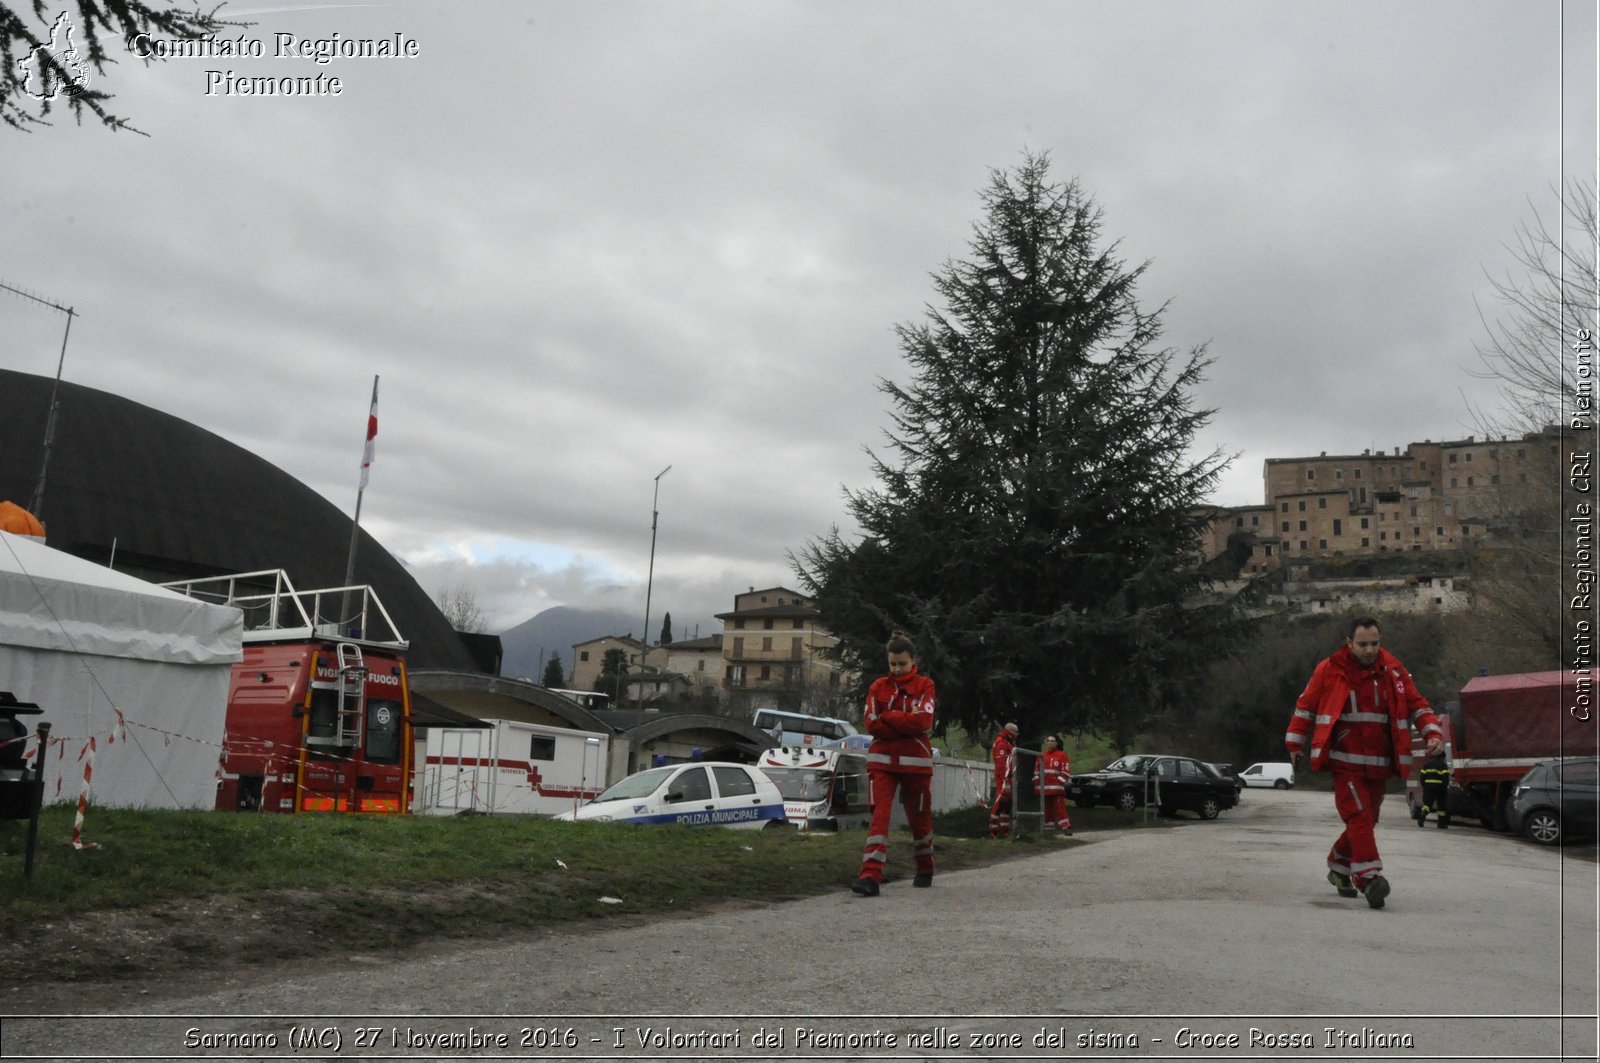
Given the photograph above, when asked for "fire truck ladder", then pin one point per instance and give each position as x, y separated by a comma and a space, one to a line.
352, 686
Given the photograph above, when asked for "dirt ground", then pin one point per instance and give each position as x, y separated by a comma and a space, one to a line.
1223, 929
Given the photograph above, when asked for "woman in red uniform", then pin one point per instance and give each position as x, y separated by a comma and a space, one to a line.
899, 717
1051, 778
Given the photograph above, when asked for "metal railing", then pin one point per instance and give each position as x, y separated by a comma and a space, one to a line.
274, 611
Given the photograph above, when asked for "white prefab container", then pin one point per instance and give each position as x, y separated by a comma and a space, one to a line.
510, 768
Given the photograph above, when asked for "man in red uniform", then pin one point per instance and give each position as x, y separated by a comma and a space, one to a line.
1359, 708
1005, 770
1051, 778
899, 717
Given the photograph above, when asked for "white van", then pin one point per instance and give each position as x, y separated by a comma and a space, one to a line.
798, 729
1279, 776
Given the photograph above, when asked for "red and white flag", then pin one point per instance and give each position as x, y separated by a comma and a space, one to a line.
372, 436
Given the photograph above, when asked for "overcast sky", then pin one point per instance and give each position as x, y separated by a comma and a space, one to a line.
583, 241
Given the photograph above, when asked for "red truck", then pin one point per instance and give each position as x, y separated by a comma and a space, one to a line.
319, 709
1502, 726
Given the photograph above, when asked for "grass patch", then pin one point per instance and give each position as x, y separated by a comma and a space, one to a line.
169, 890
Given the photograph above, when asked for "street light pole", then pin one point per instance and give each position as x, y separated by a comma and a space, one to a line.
650, 581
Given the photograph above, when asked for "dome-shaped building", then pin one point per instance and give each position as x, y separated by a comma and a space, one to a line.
162, 499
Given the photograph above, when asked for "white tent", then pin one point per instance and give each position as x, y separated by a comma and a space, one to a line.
138, 668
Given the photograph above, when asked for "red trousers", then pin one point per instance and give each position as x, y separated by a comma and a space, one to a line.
1356, 852
916, 796
1000, 814
1055, 813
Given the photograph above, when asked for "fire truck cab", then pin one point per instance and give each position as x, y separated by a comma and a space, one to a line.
318, 713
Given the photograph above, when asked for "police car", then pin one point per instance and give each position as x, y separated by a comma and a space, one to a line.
702, 792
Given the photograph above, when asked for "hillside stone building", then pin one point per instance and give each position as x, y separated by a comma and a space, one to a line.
1427, 497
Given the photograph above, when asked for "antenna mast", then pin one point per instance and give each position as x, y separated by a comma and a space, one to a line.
36, 504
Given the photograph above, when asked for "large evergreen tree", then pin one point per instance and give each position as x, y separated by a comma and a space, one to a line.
553, 677
1037, 530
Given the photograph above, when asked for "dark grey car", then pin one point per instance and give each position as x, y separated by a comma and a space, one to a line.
1556, 801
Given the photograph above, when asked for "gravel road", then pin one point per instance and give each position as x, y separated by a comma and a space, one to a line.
1208, 940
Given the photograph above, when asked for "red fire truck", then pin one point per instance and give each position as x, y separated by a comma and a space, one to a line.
1501, 726
319, 710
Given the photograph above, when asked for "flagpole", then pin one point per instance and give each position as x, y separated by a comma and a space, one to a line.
366, 464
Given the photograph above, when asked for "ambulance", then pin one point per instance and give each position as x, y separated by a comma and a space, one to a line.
823, 787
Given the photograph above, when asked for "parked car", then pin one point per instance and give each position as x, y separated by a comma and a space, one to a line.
702, 792
1227, 772
1170, 783
1555, 800
1279, 776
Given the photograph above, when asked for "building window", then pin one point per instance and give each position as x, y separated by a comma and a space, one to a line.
766, 644
1358, 474
1285, 525
1466, 529
1449, 509
1469, 481
1255, 520
1452, 459
542, 748
1322, 544
1453, 482
1302, 546
1366, 542
1311, 474
1439, 530
1383, 536
1286, 507
1238, 522
738, 647
1302, 505
799, 623
1267, 549
583, 655
738, 624
1338, 474
1338, 526
1322, 503
1416, 533
1302, 525
766, 671
1469, 455
700, 665
766, 624
1363, 523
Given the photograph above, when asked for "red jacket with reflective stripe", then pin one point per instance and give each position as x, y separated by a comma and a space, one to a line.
1052, 773
1360, 719
1003, 765
899, 717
